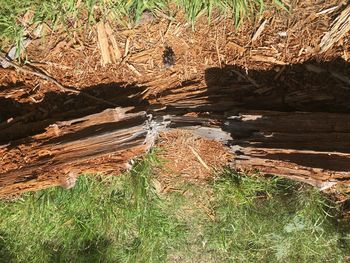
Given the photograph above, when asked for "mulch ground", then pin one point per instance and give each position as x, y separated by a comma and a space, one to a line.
75, 60
187, 157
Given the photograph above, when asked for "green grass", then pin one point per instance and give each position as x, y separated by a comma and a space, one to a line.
235, 218
112, 219
64, 14
275, 220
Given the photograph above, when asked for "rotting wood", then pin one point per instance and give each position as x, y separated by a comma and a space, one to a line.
103, 43
296, 145
259, 30
216, 99
312, 147
115, 51
102, 142
52, 80
339, 28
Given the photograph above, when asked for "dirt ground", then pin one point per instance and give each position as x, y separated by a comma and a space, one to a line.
276, 42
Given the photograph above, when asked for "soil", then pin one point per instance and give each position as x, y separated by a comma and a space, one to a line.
199, 56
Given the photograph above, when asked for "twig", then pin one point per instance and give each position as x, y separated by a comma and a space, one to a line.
48, 63
15, 120
199, 158
133, 69
52, 80
217, 48
126, 50
259, 31
328, 10
246, 76
159, 13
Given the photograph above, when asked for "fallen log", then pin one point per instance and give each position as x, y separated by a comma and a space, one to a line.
309, 147
296, 145
271, 129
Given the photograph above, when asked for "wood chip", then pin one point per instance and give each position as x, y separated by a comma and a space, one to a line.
199, 158
68, 181
115, 51
328, 10
218, 50
103, 43
339, 28
133, 69
259, 31
267, 59
326, 185
235, 46
27, 18
126, 50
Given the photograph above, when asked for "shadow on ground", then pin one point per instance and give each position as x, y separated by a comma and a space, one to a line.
311, 86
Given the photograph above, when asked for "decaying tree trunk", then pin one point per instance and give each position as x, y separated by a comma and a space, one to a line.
267, 130
310, 147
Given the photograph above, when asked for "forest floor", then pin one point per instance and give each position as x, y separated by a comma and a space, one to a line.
275, 47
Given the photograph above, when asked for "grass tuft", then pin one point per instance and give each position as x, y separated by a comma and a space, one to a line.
274, 220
